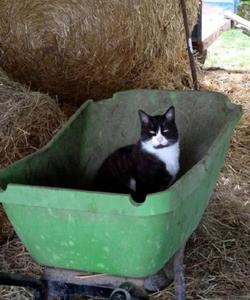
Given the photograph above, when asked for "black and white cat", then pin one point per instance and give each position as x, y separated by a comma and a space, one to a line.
149, 166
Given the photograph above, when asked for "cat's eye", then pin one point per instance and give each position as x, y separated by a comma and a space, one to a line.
165, 130
152, 132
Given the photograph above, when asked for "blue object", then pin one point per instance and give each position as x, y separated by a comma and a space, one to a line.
231, 5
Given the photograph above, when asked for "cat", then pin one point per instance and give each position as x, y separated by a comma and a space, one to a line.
151, 165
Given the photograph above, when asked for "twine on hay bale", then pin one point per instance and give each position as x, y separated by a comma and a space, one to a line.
91, 49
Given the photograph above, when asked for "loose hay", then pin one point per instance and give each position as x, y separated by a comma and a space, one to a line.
91, 49
28, 120
15, 258
6, 230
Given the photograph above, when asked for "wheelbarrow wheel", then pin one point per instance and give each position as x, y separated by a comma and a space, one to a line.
120, 294
136, 292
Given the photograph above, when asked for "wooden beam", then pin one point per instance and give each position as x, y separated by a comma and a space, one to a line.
237, 19
212, 37
244, 29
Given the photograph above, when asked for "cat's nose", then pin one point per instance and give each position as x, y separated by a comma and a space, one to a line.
160, 139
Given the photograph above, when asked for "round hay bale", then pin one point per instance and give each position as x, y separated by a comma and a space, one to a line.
91, 49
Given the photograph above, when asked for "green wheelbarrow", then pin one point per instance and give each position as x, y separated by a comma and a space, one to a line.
64, 224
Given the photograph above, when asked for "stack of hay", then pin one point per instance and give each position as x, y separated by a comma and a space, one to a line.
91, 49
28, 120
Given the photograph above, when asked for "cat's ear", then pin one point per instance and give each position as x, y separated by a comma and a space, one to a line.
170, 114
143, 117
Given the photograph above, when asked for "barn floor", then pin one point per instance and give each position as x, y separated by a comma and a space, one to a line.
217, 256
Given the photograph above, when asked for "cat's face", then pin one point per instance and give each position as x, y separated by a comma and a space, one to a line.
159, 131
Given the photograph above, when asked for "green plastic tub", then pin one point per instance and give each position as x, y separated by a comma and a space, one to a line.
48, 199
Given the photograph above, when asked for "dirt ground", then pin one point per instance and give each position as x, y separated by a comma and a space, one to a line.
217, 259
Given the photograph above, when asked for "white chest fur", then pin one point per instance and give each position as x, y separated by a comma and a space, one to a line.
169, 155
